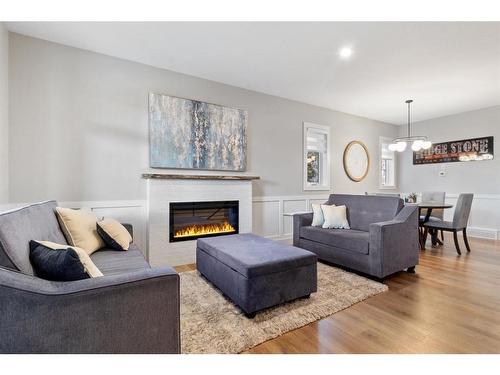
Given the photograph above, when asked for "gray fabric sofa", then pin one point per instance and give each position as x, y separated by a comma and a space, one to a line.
383, 238
133, 308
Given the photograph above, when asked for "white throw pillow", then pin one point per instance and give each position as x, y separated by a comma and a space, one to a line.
318, 218
335, 217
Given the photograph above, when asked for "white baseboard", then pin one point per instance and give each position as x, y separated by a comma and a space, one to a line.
486, 233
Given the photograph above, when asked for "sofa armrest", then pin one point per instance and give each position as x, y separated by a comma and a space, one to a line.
130, 229
394, 244
300, 220
137, 312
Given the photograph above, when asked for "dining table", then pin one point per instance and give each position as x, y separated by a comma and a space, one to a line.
429, 206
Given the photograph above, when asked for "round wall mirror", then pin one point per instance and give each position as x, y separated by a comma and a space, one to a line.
356, 161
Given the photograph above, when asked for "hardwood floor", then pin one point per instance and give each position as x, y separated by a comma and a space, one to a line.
451, 305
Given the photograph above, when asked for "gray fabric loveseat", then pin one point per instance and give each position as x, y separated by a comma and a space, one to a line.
383, 238
133, 308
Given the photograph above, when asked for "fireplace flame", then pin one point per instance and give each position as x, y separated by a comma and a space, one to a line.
199, 230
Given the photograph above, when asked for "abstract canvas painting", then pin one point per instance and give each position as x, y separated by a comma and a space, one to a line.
190, 134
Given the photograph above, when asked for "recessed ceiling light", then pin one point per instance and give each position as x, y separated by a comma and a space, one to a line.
345, 52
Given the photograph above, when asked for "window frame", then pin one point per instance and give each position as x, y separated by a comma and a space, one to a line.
382, 141
325, 183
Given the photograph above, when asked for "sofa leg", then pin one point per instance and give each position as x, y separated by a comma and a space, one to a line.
410, 269
250, 315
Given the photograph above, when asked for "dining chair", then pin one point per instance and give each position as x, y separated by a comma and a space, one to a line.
437, 197
459, 223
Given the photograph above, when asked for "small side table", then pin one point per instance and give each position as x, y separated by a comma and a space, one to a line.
296, 213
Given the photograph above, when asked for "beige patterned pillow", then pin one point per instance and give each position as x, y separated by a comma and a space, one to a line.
80, 229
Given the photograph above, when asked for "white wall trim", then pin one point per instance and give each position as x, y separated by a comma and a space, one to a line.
277, 198
484, 220
125, 211
476, 196
268, 214
104, 204
270, 210
485, 233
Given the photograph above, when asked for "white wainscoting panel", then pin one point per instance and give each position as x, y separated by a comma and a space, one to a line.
291, 206
484, 220
130, 212
265, 220
269, 218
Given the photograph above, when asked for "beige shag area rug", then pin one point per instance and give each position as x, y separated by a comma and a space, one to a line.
210, 323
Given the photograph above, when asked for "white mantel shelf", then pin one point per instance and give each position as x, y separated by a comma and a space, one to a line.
165, 176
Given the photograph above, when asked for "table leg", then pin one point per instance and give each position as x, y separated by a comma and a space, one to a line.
434, 238
421, 233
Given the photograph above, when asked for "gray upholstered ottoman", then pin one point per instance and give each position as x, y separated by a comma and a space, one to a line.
254, 272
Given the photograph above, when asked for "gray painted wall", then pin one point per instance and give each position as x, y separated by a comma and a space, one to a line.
79, 126
478, 177
4, 114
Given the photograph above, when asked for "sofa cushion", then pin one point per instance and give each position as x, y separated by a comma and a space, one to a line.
318, 217
18, 227
113, 262
252, 256
335, 217
114, 234
56, 262
348, 239
80, 228
363, 210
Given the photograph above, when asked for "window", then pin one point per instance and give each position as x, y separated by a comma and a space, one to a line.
387, 169
316, 157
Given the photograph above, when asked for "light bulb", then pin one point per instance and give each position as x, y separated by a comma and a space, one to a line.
426, 145
417, 145
401, 146
345, 52
392, 147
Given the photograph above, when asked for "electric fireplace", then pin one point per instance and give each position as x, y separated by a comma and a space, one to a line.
191, 220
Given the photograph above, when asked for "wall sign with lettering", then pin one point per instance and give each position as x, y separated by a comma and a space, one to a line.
449, 152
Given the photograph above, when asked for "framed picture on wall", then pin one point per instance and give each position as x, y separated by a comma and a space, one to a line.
190, 134
316, 156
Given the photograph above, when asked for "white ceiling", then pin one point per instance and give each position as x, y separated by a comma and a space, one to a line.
445, 67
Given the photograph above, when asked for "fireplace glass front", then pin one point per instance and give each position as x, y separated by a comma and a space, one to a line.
191, 220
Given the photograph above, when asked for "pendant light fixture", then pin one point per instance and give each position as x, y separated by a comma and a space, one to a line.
418, 142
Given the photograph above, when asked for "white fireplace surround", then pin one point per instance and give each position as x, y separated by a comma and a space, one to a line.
161, 192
